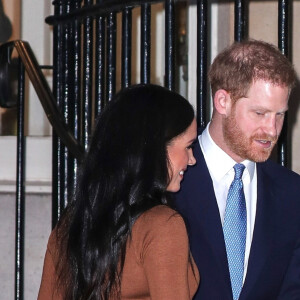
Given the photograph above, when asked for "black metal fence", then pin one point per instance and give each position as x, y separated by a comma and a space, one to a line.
84, 80
85, 66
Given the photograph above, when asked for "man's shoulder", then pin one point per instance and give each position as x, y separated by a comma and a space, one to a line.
278, 173
272, 166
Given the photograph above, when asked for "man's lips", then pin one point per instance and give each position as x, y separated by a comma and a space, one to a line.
264, 143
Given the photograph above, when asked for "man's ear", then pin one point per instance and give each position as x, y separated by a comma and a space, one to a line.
222, 101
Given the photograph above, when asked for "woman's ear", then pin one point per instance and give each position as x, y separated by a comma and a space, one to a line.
222, 101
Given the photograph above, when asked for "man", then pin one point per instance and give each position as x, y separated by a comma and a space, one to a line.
242, 210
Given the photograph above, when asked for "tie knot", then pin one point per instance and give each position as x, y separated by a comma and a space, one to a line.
239, 169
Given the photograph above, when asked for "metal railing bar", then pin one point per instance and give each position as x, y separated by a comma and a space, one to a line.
145, 42
170, 44
239, 20
75, 83
20, 189
201, 62
283, 45
56, 180
126, 47
57, 145
111, 55
108, 6
100, 9
100, 65
46, 97
87, 76
283, 26
65, 106
46, 67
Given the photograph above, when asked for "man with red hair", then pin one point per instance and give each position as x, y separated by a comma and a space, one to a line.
243, 210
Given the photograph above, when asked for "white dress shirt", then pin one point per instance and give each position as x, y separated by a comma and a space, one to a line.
220, 166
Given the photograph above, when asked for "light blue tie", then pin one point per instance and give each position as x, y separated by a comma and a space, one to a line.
235, 228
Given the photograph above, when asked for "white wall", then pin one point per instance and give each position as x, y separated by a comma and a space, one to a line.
38, 34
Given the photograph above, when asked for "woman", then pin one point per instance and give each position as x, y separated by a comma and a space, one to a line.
119, 239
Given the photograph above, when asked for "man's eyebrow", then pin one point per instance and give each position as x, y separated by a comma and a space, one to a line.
268, 110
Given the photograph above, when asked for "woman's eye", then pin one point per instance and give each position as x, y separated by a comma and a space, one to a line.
191, 146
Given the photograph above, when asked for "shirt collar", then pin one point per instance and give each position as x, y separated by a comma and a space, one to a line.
218, 161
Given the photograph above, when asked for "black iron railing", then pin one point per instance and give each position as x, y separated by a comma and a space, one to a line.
283, 44
27, 62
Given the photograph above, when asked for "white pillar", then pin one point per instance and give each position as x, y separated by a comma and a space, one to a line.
35, 31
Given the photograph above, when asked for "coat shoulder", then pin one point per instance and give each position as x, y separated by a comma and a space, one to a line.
280, 178
278, 172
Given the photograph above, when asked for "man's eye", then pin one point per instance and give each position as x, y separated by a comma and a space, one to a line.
281, 114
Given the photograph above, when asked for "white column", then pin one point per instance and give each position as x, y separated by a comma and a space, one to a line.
35, 31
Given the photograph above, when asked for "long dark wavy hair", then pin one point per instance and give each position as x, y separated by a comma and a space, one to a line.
125, 173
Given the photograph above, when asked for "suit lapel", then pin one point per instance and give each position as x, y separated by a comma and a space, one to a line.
263, 231
207, 219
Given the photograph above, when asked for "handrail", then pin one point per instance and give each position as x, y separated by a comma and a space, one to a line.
103, 8
45, 95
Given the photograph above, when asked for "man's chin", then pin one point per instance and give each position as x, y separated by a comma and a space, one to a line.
260, 156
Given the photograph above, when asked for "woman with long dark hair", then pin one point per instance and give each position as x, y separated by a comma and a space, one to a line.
118, 238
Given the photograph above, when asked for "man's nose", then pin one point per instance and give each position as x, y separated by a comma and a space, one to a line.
271, 126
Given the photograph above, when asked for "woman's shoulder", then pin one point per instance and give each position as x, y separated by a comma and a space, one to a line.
54, 242
160, 213
159, 229
160, 218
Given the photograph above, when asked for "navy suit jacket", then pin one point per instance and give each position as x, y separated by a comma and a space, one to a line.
274, 262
